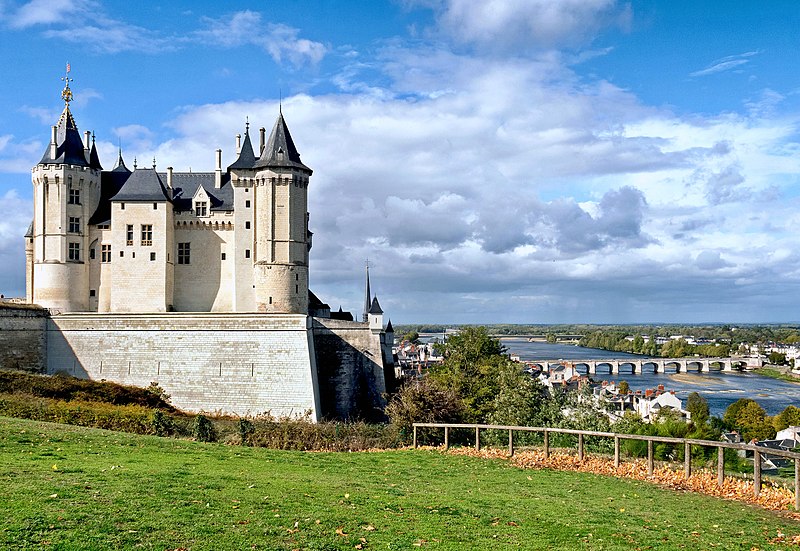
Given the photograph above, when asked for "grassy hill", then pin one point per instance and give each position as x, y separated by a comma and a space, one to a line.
68, 487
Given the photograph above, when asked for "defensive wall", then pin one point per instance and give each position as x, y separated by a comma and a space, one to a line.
242, 364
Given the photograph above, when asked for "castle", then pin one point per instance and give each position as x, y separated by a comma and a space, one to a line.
195, 280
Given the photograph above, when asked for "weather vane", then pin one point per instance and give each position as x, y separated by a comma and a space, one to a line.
66, 93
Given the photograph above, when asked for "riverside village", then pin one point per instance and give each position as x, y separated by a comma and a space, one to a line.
200, 359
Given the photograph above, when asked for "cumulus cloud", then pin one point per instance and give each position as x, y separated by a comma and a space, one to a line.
246, 27
511, 25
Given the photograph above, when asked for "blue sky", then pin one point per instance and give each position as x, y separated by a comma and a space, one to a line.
505, 161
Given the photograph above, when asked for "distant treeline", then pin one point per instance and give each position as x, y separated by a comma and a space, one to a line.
609, 336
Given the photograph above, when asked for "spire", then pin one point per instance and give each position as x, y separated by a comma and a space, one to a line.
247, 159
280, 151
375, 308
94, 158
367, 297
66, 146
120, 163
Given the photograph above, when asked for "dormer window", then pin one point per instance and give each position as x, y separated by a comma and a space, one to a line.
201, 208
280, 154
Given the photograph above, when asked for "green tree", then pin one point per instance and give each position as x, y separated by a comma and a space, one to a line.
732, 412
638, 344
789, 417
753, 422
698, 407
412, 337
424, 401
624, 387
776, 358
471, 367
519, 398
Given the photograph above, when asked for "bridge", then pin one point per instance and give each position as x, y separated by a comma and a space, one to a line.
651, 365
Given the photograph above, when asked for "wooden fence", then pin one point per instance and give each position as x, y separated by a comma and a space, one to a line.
758, 451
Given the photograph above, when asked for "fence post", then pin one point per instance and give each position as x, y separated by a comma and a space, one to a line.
510, 442
720, 466
546, 444
580, 447
415, 436
756, 473
447, 438
797, 484
687, 459
616, 451
649, 458
477, 439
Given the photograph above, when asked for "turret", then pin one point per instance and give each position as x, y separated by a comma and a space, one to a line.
66, 192
280, 255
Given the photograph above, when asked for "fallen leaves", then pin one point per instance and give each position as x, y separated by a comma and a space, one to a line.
703, 481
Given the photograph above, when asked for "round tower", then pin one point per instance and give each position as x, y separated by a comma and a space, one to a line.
281, 240
66, 191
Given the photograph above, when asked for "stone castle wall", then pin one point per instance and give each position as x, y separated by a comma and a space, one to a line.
231, 363
23, 337
352, 377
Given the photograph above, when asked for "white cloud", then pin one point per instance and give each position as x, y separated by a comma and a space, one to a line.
508, 25
725, 64
13, 224
246, 27
42, 12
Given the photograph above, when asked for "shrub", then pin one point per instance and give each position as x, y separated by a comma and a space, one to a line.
245, 428
203, 429
162, 425
423, 401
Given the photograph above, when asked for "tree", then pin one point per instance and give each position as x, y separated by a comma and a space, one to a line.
698, 407
471, 367
624, 387
789, 417
732, 412
519, 398
424, 401
776, 358
412, 337
753, 422
638, 344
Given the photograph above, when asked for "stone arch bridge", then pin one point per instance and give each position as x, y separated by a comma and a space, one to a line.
649, 365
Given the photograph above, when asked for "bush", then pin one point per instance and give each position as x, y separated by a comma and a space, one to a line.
245, 428
423, 401
163, 425
203, 429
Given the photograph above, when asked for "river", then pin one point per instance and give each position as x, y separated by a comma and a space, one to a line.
720, 389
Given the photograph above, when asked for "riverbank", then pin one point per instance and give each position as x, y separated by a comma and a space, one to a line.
778, 374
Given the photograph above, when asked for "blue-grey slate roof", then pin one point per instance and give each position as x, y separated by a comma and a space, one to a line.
280, 151
69, 146
185, 184
111, 181
247, 159
144, 184
375, 308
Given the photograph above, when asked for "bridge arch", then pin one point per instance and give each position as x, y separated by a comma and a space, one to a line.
693, 365
672, 366
604, 368
650, 366
626, 367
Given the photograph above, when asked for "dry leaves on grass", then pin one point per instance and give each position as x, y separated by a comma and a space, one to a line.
702, 480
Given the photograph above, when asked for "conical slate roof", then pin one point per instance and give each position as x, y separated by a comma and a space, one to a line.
247, 159
375, 308
69, 146
280, 151
94, 158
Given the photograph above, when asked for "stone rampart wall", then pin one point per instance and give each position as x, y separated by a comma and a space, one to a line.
351, 369
23, 337
243, 364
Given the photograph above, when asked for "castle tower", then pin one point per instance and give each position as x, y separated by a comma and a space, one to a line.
281, 240
66, 191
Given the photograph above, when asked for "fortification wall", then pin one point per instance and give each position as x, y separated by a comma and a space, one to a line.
23, 337
243, 364
350, 362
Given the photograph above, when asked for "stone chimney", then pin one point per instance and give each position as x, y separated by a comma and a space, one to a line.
169, 177
218, 171
53, 138
238, 144
262, 134
87, 144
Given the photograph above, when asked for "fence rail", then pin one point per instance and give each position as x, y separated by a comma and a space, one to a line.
758, 451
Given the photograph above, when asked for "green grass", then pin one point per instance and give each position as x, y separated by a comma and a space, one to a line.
777, 374
67, 487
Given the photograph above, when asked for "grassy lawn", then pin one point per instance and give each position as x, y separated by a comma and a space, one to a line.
67, 487
777, 374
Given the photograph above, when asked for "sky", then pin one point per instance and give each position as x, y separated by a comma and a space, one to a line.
508, 161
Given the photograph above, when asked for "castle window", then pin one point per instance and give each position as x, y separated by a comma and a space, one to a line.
247, 225
201, 208
147, 235
155, 206
74, 251
121, 253
152, 256
296, 289
184, 253
122, 206
74, 224
223, 256
91, 254
247, 253
247, 204
74, 196
105, 253
92, 293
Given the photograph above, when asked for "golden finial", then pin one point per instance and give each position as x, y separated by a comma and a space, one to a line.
66, 93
